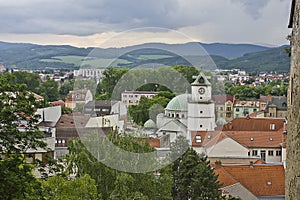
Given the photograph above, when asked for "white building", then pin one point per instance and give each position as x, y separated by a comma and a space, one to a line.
134, 97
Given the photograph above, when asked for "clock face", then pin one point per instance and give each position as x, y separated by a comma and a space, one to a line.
201, 90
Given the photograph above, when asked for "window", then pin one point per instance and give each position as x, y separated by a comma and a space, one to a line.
254, 110
272, 126
237, 110
221, 108
221, 114
201, 112
270, 153
198, 138
254, 153
278, 153
228, 108
200, 125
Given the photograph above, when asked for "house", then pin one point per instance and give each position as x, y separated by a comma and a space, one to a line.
76, 97
72, 126
133, 97
244, 140
252, 181
276, 107
224, 108
242, 108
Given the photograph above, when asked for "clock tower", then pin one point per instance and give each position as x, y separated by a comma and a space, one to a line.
201, 108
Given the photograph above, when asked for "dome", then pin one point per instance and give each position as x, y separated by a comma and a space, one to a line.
150, 124
178, 103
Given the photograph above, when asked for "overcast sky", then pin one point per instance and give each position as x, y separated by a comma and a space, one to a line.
106, 23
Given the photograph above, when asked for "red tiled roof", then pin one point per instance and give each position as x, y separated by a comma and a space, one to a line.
261, 180
254, 124
257, 138
154, 142
70, 121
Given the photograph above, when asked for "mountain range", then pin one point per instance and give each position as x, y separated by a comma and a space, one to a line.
224, 56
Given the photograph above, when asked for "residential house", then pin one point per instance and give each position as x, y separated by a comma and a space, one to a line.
277, 107
223, 108
133, 97
76, 97
243, 108
252, 181
244, 140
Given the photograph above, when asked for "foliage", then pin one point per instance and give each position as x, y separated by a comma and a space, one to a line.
243, 92
106, 86
17, 180
65, 88
149, 108
58, 188
193, 178
49, 90
18, 109
31, 80
112, 184
187, 71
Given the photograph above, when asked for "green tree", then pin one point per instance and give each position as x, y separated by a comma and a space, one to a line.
31, 80
50, 88
193, 178
187, 71
106, 86
58, 188
17, 107
65, 88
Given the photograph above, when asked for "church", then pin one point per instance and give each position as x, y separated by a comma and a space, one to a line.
186, 113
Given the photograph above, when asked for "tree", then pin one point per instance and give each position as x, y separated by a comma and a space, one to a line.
106, 86
50, 89
31, 80
58, 188
193, 178
17, 109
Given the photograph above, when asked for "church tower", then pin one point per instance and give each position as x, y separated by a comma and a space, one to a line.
201, 108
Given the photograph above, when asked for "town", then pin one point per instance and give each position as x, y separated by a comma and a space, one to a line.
235, 133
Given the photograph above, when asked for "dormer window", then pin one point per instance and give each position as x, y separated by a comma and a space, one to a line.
272, 126
198, 139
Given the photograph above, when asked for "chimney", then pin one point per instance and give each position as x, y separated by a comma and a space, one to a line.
251, 164
218, 164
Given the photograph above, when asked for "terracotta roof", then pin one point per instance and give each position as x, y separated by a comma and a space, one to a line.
257, 138
267, 139
154, 142
206, 138
254, 124
261, 180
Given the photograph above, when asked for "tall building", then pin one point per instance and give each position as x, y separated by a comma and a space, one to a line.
201, 107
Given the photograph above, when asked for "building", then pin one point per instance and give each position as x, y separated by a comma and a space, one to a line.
244, 140
276, 107
252, 181
133, 97
77, 97
243, 108
224, 108
89, 73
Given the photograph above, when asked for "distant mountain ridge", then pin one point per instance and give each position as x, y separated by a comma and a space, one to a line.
245, 56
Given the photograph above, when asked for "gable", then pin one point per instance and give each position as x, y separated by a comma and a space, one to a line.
227, 147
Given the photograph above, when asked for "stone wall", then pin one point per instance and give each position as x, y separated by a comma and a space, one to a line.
293, 139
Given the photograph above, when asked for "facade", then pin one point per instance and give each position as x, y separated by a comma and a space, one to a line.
133, 97
89, 73
276, 107
201, 108
243, 108
76, 97
244, 140
224, 108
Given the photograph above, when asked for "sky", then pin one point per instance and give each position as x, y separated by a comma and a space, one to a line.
117, 23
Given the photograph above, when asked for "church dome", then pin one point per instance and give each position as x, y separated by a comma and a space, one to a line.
150, 124
178, 103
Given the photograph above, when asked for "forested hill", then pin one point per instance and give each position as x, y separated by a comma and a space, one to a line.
245, 56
